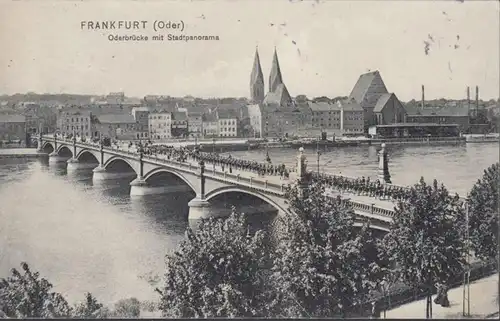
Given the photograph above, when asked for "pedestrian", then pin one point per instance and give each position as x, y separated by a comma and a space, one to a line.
375, 310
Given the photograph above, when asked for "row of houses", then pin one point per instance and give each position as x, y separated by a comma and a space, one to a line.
150, 123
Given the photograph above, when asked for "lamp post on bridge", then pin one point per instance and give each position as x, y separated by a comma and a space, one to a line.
383, 166
74, 144
268, 158
318, 153
39, 141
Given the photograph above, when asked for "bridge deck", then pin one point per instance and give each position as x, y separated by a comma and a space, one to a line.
273, 184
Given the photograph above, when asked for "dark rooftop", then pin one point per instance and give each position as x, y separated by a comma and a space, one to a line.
417, 125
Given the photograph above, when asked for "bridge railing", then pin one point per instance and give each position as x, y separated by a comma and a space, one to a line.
252, 182
390, 185
372, 209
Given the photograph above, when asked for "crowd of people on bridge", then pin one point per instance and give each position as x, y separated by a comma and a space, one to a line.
242, 164
182, 154
362, 186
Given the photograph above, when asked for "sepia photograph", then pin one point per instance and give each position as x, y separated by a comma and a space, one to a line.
249, 159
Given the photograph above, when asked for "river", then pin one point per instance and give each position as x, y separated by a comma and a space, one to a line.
91, 237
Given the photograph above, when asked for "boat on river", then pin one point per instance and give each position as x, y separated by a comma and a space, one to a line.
486, 138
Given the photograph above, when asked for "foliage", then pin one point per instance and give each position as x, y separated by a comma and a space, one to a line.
426, 236
90, 309
216, 272
127, 308
483, 214
323, 265
26, 295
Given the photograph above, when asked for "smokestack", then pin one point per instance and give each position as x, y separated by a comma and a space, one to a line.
468, 97
477, 98
423, 96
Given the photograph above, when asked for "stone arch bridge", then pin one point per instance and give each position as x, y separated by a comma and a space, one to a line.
205, 182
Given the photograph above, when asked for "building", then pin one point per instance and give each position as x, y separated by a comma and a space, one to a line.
326, 118
276, 115
351, 117
179, 124
227, 123
117, 126
255, 120
160, 122
440, 115
115, 98
39, 117
367, 91
141, 116
409, 130
12, 127
210, 125
389, 110
195, 122
78, 121
256, 81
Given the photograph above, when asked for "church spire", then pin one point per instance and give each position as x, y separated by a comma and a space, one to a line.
256, 80
275, 78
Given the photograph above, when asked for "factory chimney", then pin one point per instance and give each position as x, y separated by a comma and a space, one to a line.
468, 98
423, 97
477, 100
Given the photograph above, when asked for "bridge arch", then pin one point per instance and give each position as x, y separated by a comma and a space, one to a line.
243, 190
47, 147
87, 155
64, 150
115, 159
157, 171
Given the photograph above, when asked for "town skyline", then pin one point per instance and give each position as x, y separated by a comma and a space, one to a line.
461, 46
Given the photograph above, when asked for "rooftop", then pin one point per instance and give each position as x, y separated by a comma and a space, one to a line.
460, 111
209, 118
5, 118
416, 125
382, 101
365, 81
321, 106
179, 115
351, 105
227, 114
116, 119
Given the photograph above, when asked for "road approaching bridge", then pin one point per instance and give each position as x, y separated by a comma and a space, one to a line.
207, 181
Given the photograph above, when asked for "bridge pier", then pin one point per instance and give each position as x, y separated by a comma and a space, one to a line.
75, 164
56, 158
100, 174
139, 187
200, 208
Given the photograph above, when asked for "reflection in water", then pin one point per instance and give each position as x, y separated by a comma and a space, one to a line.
93, 236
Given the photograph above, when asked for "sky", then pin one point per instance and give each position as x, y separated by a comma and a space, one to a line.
323, 47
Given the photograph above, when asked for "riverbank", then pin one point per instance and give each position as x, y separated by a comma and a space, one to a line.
243, 145
483, 303
20, 153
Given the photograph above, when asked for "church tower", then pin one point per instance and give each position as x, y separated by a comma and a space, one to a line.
256, 81
275, 78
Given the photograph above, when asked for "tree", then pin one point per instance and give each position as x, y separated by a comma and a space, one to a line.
127, 308
216, 272
426, 237
323, 266
483, 214
90, 309
26, 295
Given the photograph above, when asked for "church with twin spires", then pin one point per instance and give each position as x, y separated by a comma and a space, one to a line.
276, 114
278, 94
